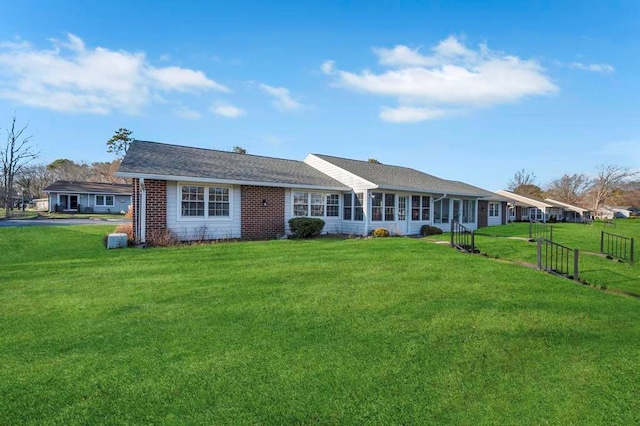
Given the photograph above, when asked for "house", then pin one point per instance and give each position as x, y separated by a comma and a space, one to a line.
208, 194
14, 198
525, 208
88, 197
41, 204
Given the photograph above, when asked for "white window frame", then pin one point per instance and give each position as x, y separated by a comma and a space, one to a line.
494, 210
421, 207
104, 197
309, 203
206, 216
466, 207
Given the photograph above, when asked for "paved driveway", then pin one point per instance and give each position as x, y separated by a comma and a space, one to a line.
58, 222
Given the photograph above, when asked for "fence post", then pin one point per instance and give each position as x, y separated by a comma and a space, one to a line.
530, 229
631, 254
453, 230
601, 241
540, 253
473, 242
551, 232
576, 261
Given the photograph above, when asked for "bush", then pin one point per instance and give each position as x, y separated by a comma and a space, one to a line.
306, 227
380, 233
162, 238
126, 228
427, 230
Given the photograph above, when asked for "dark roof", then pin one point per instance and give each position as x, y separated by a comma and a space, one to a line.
159, 159
89, 187
397, 177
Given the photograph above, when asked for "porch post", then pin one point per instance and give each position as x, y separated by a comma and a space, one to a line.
143, 212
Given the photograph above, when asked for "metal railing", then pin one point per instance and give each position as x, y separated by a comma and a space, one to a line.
558, 259
462, 238
616, 246
540, 230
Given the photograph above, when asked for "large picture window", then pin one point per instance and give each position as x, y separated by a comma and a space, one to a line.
441, 211
205, 202
104, 200
469, 211
420, 207
383, 207
316, 204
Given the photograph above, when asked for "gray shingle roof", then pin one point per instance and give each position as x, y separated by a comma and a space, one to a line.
153, 158
396, 177
89, 187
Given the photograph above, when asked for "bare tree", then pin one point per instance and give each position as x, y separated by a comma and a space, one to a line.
16, 154
105, 171
524, 183
37, 177
607, 181
569, 188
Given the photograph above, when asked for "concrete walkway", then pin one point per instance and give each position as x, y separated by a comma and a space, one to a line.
60, 222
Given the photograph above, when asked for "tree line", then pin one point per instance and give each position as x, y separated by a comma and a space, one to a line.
607, 185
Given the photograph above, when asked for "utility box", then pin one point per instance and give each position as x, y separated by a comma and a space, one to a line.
116, 240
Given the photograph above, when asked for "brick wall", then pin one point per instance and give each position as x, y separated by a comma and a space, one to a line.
261, 222
156, 205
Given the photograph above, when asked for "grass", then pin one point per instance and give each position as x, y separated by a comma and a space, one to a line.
596, 270
18, 214
53, 215
381, 331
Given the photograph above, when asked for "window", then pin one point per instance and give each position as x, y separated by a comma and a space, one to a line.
420, 207
300, 204
494, 209
441, 211
358, 212
204, 202
376, 206
193, 201
104, 200
219, 202
468, 211
315, 204
333, 205
389, 207
347, 215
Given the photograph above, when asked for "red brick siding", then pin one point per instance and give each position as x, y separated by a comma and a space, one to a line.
261, 222
156, 205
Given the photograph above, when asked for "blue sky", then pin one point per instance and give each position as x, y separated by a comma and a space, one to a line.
465, 92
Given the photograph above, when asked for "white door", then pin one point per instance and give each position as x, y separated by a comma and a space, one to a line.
403, 213
456, 211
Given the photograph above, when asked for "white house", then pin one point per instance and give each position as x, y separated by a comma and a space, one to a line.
88, 197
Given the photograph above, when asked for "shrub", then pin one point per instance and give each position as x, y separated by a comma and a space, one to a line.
126, 228
427, 230
162, 238
306, 227
380, 233
129, 213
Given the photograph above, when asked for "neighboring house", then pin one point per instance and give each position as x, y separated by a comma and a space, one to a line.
622, 212
88, 197
41, 204
14, 197
207, 194
525, 208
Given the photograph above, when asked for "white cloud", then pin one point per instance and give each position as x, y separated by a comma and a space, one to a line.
72, 78
187, 113
453, 76
601, 68
327, 67
281, 98
227, 111
407, 114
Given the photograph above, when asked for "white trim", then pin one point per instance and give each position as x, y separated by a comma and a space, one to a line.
346, 172
205, 180
206, 216
95, 200
324, 203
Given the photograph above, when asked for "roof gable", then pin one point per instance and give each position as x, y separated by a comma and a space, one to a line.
176, 161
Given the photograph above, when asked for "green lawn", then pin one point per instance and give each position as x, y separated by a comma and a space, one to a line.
381, 331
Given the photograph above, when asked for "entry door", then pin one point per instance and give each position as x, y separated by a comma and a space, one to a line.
403, 210
456, 211
73, 202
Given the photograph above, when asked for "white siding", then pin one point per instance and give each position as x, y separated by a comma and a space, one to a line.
357, 183
203, 229
332, 225
494, 221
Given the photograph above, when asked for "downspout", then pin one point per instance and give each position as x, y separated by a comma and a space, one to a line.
365, 211
143, 212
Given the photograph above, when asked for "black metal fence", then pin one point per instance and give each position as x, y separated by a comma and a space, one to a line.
462, 238
616, 246
558, 259
540, 230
